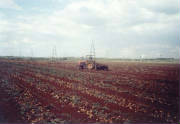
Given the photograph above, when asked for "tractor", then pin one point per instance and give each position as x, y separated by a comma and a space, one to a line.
90, 64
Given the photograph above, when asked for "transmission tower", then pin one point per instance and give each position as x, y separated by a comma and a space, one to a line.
54, 54
92, 50
31, 54
92, 53
20, 55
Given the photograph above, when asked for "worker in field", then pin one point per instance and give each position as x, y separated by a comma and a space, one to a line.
82, 64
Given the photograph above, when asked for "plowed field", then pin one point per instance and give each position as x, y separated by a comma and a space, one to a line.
39, 92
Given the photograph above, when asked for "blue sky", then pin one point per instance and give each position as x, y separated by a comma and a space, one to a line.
119, 28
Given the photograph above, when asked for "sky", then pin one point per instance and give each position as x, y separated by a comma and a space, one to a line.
118, 28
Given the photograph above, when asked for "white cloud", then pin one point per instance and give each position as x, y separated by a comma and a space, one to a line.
161, 6
9, 4
121, 27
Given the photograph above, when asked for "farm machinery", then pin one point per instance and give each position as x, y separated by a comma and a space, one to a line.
90, 64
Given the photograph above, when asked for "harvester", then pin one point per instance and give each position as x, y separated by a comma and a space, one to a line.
90, 64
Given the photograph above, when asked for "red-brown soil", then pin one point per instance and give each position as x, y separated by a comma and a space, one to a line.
39, 92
